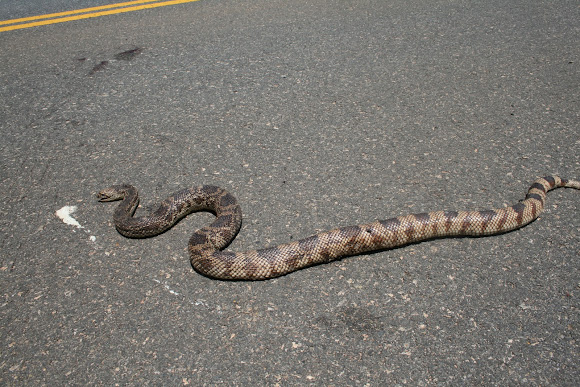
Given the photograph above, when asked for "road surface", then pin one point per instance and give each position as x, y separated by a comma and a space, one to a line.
315, 114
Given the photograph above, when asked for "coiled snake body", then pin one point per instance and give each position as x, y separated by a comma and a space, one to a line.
205, 245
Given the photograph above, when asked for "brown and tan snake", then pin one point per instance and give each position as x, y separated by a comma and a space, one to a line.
206, 244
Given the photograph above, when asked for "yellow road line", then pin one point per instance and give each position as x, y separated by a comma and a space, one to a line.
84, 10
86, 13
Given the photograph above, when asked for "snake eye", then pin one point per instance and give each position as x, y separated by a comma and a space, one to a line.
101, 196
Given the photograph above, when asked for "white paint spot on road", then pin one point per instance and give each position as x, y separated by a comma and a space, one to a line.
65, 215
167, 287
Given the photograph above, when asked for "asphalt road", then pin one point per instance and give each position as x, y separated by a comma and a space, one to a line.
315, 114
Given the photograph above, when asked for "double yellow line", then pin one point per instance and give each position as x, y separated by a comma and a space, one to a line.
85, 13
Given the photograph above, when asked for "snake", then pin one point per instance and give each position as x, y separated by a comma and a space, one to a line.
206, 245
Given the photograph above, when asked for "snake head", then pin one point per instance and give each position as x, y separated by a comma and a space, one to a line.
110, 194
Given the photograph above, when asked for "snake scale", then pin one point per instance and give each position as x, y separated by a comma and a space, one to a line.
205, 245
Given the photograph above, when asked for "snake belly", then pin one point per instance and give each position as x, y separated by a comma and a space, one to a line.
206, 244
